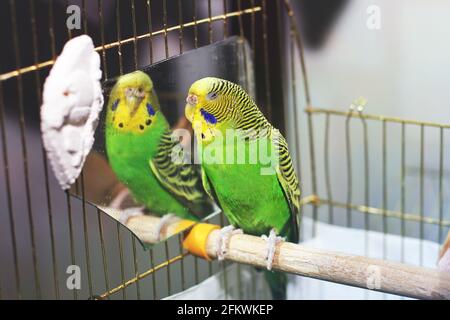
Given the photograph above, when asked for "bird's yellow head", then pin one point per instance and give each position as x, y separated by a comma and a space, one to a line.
210, 106
133, 104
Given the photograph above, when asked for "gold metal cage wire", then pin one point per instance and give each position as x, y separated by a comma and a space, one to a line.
120, 268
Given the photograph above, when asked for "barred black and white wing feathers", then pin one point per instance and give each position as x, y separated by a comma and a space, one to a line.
180, 178
288, 180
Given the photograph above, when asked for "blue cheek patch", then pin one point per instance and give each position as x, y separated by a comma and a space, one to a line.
150, 109
115, 104
208, 116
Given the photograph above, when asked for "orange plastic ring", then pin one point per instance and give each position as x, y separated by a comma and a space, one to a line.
195, 241
183, 225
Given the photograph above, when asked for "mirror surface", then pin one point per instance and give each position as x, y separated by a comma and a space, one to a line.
103, 186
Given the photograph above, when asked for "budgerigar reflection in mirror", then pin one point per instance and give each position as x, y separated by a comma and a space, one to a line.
139, 147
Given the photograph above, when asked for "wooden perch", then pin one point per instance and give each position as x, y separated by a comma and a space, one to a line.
145, 226
358, 271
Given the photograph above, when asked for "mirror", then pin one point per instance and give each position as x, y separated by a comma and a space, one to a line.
229, 59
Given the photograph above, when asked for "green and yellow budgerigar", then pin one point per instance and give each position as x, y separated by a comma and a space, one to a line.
256, 196
139, 146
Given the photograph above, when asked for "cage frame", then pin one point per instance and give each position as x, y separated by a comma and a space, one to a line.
295, 45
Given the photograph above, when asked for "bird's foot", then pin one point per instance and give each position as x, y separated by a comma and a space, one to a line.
224, 239
119, 199
128, 213
272, 241
163, 223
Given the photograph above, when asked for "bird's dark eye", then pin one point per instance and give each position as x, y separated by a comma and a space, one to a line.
211, 95
114, 105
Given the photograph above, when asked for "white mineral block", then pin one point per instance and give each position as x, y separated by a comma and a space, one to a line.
72, 101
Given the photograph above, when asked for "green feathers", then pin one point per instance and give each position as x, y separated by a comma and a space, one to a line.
261, 193
257, 190
139, 146
255, 195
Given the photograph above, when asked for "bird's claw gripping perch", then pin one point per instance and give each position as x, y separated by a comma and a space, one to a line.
272, 241
119, 199
224, 239
163, 222
128, 213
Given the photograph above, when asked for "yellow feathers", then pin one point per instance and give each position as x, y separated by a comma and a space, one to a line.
200, 98
132, 103
138, 123
202, 87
